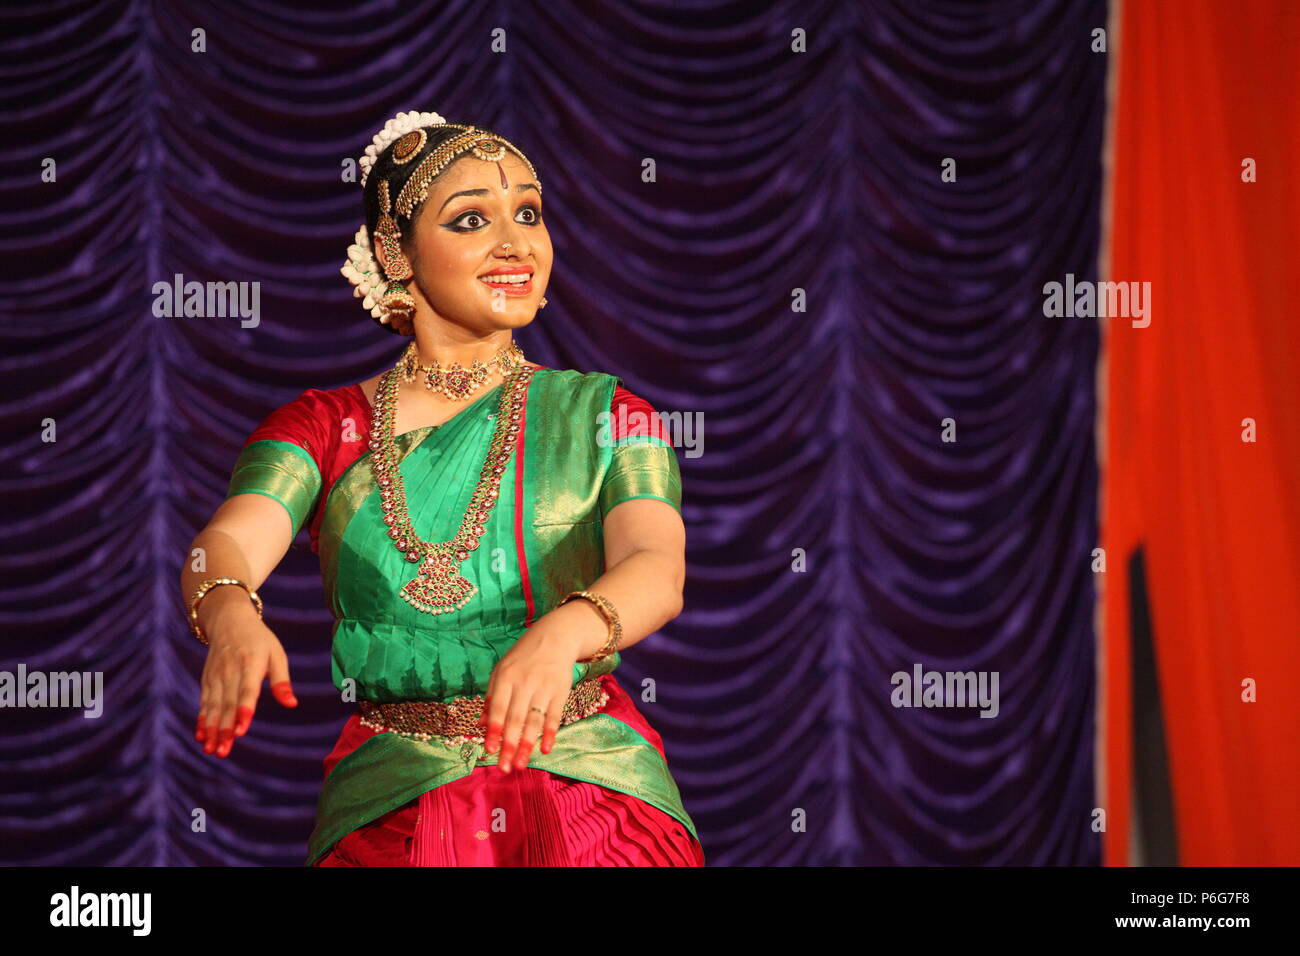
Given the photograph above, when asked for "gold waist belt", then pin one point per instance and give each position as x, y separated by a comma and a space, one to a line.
456, 721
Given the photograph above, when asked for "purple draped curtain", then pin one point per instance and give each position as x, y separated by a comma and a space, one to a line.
798, 272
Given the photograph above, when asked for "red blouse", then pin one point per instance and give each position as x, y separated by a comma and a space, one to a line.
319, 419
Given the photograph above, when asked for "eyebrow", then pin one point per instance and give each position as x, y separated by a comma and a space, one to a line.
483, 192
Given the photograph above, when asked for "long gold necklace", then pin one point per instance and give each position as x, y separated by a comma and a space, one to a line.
439, 588
455, 381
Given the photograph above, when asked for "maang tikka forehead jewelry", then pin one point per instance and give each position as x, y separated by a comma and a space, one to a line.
484, 146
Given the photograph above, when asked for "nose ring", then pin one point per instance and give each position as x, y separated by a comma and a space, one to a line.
505, 245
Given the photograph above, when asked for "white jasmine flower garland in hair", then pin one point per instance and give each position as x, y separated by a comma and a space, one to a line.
362, 268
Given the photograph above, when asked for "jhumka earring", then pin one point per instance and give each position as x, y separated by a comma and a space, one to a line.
396, 303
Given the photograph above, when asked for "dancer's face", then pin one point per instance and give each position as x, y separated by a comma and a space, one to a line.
459, 231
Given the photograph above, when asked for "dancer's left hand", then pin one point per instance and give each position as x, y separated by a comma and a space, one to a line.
536, 672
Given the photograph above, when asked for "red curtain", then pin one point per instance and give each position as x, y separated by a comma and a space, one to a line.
1201, 87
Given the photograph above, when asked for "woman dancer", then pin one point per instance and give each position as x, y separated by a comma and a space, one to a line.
489, 540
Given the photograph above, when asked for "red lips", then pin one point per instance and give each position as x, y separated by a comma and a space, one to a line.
517, 288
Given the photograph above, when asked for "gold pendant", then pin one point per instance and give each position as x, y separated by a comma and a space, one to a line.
439, 588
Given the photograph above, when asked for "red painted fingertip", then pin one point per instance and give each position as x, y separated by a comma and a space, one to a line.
243, 717
283, 692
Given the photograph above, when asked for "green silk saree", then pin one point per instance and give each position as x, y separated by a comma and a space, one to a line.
543, 540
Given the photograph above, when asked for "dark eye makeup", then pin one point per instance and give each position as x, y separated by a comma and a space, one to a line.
461, 223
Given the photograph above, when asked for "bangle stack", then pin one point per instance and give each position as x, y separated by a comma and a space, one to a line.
610, 615
207, 586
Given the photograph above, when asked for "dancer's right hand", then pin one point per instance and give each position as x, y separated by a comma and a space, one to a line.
242, 652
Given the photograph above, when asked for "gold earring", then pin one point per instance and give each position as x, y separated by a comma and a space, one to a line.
397, 305
543, 305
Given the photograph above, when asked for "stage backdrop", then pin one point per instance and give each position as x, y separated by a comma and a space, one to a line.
837, 256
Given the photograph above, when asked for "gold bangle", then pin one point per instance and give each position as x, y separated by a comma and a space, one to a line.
202, 591
611, 618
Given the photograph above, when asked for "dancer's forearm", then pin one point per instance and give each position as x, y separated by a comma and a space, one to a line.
646, 590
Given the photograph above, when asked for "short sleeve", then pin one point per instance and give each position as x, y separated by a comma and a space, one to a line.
643, 463
281, 458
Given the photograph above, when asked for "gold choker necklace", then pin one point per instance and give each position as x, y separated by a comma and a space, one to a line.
455, 381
